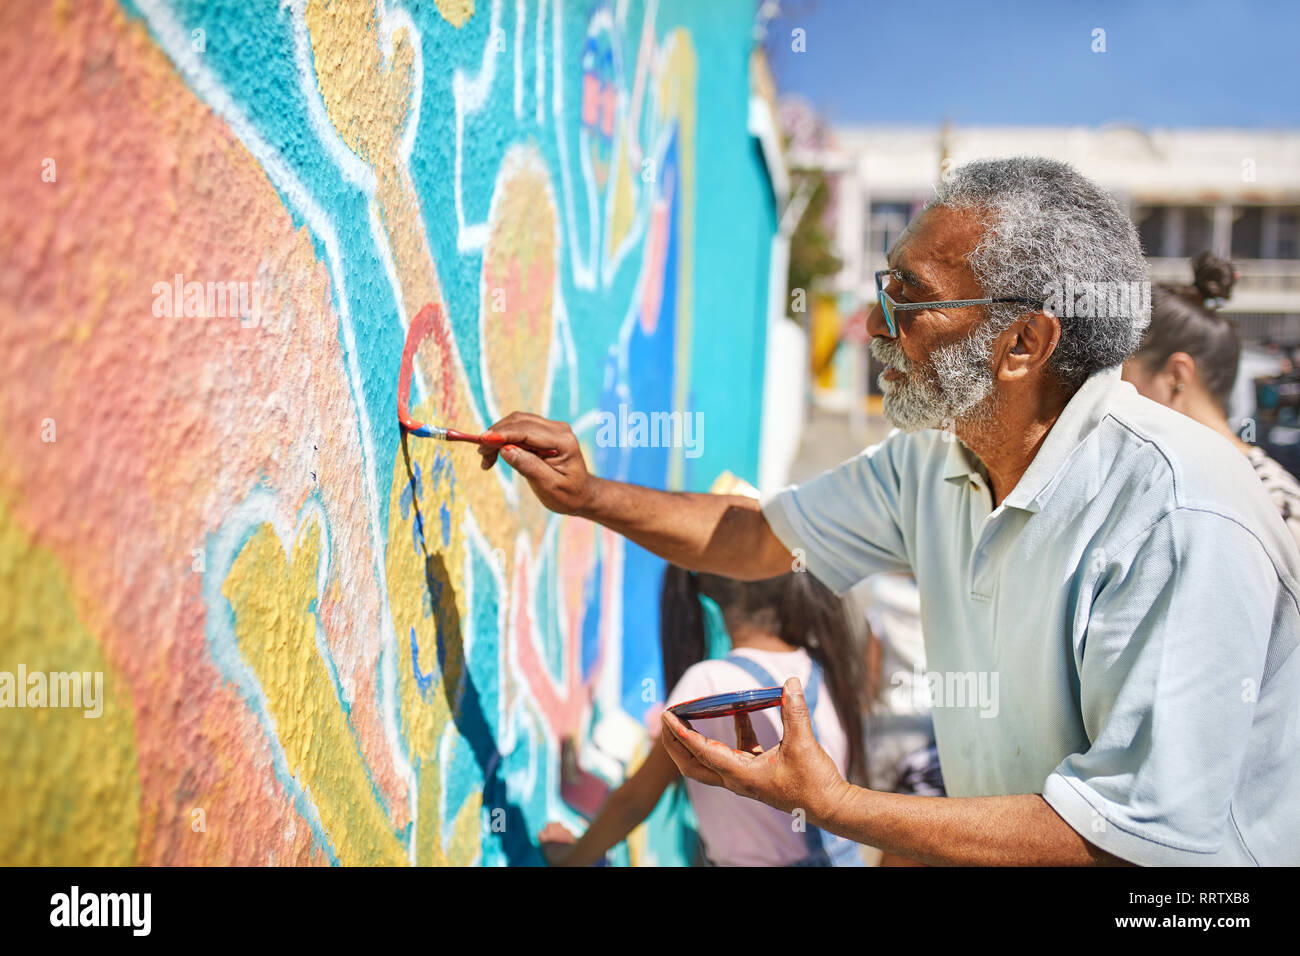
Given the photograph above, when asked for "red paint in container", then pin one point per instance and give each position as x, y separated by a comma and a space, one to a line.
728, 705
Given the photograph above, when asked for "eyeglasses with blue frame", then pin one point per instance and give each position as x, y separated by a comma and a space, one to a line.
888, 305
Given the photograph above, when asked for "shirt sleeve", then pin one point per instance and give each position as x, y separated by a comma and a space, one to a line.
845, 524
1170, 668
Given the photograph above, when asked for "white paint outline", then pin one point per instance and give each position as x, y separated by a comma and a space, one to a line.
174, 41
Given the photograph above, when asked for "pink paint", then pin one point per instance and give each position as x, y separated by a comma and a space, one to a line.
561, 706
154, 414
656, 256
428, 321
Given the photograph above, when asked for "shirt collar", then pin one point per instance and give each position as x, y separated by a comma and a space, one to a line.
1084, 411
960, 463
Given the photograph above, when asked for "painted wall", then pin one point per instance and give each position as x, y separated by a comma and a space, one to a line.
320, 642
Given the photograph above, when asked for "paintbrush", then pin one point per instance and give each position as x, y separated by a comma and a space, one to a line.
489, 440
425, 323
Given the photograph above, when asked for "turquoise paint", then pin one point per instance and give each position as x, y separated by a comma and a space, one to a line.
250, 54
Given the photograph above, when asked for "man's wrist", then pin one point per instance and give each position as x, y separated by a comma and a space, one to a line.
832, 804
591, 505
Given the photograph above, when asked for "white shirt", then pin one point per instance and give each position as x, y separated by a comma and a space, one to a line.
1118, 635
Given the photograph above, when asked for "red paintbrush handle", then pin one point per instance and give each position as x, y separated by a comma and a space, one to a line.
497, 442
533, 449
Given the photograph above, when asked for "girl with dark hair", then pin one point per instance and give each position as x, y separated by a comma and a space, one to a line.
1188, 361
721, 635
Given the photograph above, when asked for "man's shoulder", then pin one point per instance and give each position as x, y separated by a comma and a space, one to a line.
903, 451
1198, 467
1176, 469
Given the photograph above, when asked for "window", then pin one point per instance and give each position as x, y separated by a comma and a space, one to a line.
1175, 231
1198, 226
885, 222
1151, 230
1247, 232
1286, 239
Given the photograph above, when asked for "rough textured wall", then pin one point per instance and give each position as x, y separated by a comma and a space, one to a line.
321, 642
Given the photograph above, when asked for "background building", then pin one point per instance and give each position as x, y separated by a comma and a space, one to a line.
1235, 192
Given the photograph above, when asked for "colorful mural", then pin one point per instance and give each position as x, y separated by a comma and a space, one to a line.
323, 641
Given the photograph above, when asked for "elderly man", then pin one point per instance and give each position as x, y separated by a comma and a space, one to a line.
1112, 571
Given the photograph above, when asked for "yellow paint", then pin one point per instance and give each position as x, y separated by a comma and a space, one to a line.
826, 323
367, 96
519, 283
623, 201
676, 100
368, 99
463, 845
69, 788
455, 12
425, 717
271, 598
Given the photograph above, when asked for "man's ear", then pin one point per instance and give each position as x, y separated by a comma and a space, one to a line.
1031, 342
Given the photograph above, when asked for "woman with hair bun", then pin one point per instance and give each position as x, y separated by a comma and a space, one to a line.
1188, 361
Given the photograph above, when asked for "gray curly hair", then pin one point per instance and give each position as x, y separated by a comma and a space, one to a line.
1045, 222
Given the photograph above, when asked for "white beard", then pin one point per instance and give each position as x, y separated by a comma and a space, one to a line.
956, 387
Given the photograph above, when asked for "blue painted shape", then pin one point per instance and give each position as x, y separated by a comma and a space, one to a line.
591, 615
422, 680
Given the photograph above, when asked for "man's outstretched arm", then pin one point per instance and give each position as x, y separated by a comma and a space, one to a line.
1015, 830
721, 534
797, 774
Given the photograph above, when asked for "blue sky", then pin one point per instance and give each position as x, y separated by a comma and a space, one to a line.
1020, 62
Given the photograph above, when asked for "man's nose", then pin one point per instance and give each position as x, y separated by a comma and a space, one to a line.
876, 322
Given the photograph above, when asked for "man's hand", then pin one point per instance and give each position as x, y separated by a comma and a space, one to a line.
562, 483
723, 534
796, 773
556, 844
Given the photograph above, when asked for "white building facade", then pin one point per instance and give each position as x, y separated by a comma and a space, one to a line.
1233, 191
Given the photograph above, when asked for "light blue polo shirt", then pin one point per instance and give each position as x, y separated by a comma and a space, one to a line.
1118, 635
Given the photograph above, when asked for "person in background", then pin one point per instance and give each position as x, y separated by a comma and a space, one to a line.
901, 752
902, 755
1188, 361
720, 635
